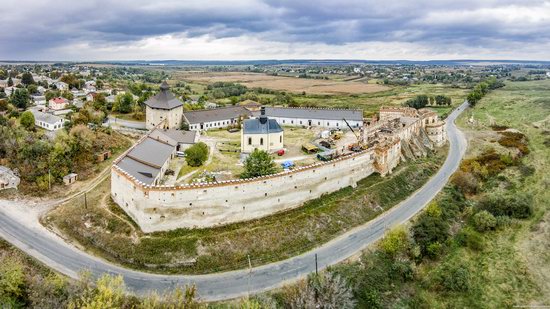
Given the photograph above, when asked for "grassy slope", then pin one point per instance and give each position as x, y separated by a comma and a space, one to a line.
513, 268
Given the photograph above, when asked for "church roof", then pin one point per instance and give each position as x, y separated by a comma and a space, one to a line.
164, 99
262, 125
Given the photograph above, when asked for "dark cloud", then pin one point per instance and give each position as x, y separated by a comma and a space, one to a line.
32, 29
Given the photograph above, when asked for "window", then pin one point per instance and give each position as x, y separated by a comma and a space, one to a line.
250, 141
280, 139
261, 141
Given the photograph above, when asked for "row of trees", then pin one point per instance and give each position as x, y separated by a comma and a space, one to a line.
421, 101
481, 89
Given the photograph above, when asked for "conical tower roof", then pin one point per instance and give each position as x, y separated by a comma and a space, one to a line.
164, 99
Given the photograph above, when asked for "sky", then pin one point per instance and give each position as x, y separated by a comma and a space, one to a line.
95, 30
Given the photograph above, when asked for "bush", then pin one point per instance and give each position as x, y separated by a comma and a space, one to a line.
197, 154
395, 242
259, 163
429, 230
466, 182
469, 238
484, 221
518, 205
453, 278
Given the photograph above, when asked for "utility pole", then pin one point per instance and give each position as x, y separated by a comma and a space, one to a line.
85, 201
249, 275
316, 267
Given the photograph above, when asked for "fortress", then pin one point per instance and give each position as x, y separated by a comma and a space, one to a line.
398, 133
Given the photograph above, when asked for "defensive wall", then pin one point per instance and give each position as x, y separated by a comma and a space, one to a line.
158, 208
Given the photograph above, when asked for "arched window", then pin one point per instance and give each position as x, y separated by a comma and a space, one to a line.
261, 141
250, 141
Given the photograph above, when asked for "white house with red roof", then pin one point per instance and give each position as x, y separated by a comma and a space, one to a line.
58, 103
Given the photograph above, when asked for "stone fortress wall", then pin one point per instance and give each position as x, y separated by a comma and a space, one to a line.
159, 208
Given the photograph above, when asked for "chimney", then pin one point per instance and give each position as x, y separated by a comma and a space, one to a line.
262, 111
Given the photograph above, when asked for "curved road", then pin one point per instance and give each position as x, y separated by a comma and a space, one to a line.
54, 252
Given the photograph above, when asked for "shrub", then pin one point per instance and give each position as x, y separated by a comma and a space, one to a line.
484, 221
514, 140
324, 291
395, 242
469, 238
453, 278
428, 230
466, 182
518, 205
196, 154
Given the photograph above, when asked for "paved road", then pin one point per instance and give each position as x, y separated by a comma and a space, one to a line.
140, 125
54, 252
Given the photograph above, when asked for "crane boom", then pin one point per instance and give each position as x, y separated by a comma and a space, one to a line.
356, 136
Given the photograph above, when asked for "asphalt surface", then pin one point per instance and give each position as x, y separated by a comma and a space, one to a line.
54, 252
139, 125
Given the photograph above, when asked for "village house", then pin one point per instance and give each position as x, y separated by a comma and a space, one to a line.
38, 99
47, 121
216, 118
58, 103
261, 133
59, 85
316, 117
91, 96
8, 179
164, 108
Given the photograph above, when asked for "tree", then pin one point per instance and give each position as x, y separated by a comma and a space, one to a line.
10, 82
12, 282
27, 120
429, 230
395, 242
484, 221
20, 98
123, 103
3, 74
259, 163
27, 79
420, 101
196, 154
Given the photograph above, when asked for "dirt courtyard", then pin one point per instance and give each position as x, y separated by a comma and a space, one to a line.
291, 84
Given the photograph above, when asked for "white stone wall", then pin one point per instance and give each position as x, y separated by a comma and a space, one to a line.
154, 116
157, 208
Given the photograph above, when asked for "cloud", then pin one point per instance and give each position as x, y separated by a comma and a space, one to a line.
255, 29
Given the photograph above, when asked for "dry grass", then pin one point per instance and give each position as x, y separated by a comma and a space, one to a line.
283, 83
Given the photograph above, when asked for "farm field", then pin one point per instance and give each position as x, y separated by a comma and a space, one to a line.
282, 83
